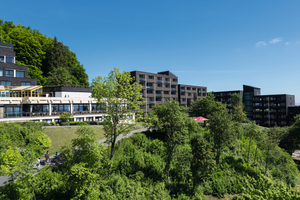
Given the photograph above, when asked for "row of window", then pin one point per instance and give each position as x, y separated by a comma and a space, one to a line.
8, 83
8, 59
66, 108
10, 73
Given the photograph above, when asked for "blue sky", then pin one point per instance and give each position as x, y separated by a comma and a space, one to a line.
218, 44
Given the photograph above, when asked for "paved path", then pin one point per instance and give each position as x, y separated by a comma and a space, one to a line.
54, 162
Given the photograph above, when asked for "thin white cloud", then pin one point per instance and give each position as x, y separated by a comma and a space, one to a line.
260, 43
275, 40
297, 42
287, 43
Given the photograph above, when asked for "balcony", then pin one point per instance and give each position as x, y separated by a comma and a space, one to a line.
151, 102
158, 95
182, 90
142, 79
159, 81
150, 87
173, 89
167, 82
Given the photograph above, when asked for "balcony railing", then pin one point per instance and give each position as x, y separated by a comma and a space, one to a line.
167, 82
182, 90
158, 95
151, 102
142, 79
173, 89
159, 81
150, 87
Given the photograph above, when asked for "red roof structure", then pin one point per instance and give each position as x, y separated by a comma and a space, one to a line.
200, 119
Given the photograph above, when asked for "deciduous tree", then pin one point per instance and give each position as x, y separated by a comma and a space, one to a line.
123, 99
171, 120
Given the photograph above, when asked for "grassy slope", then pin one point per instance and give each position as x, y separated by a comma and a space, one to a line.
62, 136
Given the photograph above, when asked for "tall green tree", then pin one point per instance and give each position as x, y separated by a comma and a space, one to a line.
122, 97
239, 114
205, 107
35, 50
252, 132
171, 120
203, 163
291, 139
220, 125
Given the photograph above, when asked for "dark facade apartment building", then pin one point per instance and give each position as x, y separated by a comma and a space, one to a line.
272, 110
10, 73
266, 110
189, 93
163, 86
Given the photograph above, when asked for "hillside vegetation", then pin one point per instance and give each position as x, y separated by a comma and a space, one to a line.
49, 61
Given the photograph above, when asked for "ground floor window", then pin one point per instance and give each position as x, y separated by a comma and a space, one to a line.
89, 119
47, 120
98, 119
80, 119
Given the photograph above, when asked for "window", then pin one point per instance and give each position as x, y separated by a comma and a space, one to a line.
98, 119
151, 77
1, 58
80, 119
25, 83
9, 73
10, 59
1, 72
7, 83
89, 119
20, 74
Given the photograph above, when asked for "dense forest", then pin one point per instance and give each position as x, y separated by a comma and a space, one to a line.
176, 159
49, 61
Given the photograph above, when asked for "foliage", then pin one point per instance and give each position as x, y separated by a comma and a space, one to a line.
122, 97
42, 56
171, 120
202, 163
205, 107
66, 117
239, 114
291, 137
220, 125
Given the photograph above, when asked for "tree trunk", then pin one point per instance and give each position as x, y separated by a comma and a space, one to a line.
113, 146
267, 160
255, 155
249, 150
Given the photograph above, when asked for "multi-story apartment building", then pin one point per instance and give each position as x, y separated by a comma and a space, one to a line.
163, 86
10, 73
189, 93
156, 88
272, 110
266, 110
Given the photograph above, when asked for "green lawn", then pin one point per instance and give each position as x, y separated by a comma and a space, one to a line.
62, 136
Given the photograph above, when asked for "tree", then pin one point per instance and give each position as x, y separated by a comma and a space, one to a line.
205, 107
123, 99
171, 120
220, 125
239, 114
291, 139
202, 163
252, 133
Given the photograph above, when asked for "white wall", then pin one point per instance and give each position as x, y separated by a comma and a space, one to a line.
73, 94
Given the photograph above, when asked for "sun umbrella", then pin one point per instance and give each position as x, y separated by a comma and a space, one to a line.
200, 119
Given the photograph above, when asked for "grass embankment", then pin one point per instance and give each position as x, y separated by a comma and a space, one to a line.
63, 136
